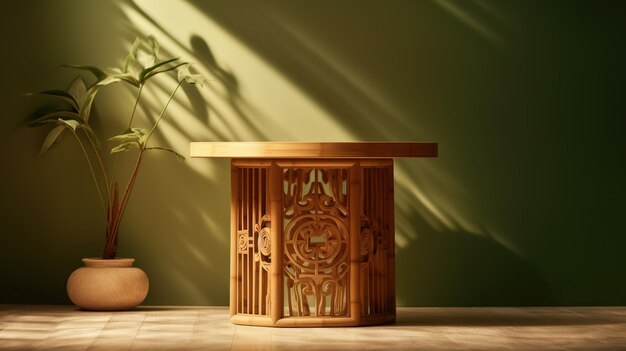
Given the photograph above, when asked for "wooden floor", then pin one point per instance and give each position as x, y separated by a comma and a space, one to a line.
208, 328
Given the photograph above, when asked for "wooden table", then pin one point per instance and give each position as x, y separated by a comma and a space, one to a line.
312, 230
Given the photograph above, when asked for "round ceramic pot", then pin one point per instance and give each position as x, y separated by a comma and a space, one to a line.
107, 285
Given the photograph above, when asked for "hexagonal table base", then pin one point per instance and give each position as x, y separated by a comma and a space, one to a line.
312, 239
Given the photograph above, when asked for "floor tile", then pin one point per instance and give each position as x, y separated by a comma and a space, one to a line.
209, 328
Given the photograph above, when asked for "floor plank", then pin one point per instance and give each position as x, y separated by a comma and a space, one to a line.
24, 327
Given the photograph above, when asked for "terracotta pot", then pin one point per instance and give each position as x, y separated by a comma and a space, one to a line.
106, 285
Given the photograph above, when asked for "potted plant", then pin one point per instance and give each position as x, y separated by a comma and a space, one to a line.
111, 283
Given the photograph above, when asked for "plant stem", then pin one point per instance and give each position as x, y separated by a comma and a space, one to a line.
110, 249
132, 115
129, 186
104, 173
110, 246
93, 173
117, 157
117, 207
162, 113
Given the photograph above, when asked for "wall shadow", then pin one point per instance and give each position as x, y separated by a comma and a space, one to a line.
501, 88
267, 29
448, 268
441, 267
228, 81
533, 215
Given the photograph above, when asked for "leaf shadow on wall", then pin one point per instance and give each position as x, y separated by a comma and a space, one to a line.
439, 266
221, 81
172, 226
229, 82
458, 268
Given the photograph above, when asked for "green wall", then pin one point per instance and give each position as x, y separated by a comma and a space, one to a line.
523, 206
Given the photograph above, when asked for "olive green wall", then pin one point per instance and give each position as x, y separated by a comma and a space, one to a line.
524, 205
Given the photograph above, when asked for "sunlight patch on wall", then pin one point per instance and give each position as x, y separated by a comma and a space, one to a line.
451, 210
199, 254
492, 10
404, 232
403, 181
409, 206
210, 225
182, 280
213, 229
496, 235
344, 81
470, 21
439, 211
248, 99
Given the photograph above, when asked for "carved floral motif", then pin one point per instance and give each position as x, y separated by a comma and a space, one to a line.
316, 245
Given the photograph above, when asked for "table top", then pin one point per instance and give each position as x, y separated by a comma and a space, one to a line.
312, 149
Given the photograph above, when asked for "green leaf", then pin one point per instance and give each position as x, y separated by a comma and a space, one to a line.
129, 78
121, 137
69, 123
114, 71
54, 134
130, 134
92, 136
132, 54
184, 74
148, 70
154, 73
134, 68
125, 147
97, 72
53, 116
78, 90
59, 94
85, 110
147, 51
107, 80
133, 135
179, 157
145, 59
154, 46
140, 63
132, 80
162, 63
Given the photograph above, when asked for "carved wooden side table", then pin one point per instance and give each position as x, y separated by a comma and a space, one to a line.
312, 231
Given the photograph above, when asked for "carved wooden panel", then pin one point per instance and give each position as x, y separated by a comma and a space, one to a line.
316, 241
253, 241
377, 240
312, 242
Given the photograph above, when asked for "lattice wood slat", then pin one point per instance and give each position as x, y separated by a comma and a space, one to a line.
253, 242
312, 242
